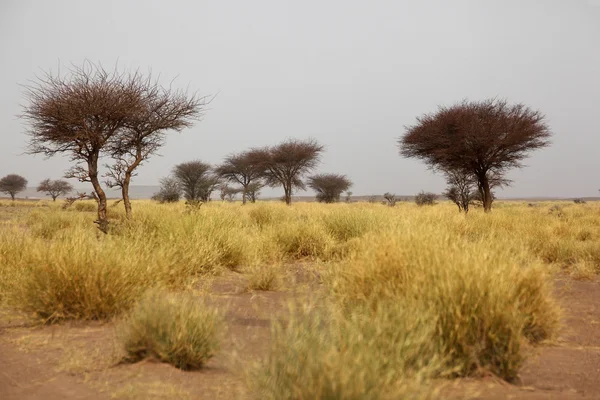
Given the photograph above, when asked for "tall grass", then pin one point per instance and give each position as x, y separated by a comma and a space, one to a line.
481, 281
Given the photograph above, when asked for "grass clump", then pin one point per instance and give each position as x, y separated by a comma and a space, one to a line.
74, 279
264, 277
177, 329
484, 302
321, 354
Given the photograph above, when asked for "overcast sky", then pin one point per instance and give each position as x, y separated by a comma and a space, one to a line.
350, 73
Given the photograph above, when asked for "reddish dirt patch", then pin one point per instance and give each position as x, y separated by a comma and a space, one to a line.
76, 361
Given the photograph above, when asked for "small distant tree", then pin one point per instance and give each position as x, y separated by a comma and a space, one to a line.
481, 139
287, 163
425, 199
253, 191
390, 198
460, 189
195, 179
169, 191
349, 196
372, 199
329, 187
228, 193
12, 184
243, 168
55, 188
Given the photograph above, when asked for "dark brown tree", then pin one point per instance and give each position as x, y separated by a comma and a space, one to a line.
80, 114
196, 180
243, 169
286, 164
483, 139
329, 187
55, 188
12, 184
162, 110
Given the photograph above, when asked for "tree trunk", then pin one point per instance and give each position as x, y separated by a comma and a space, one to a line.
486, 192
93, 175
125, 194
288, 194
54, 198
12, 196
244, 193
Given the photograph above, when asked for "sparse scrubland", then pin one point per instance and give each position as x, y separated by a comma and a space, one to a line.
405, 296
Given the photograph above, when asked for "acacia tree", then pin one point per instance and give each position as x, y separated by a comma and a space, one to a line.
80, 114
144, 133
196, 180
12, 184
243, 169
286, 164
483, 139
329, 187
55, 188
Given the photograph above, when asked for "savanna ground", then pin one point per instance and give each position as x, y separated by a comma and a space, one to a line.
344, 301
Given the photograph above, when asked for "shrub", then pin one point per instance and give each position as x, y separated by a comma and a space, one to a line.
177, 329
425, 199
579, 201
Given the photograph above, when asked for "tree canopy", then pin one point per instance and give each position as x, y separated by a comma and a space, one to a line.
480, 138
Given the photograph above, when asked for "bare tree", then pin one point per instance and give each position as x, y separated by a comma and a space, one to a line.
169, 192
243, 169
196, 180
80, 114
482, 139
329, 187
286, 164
12, 184
55, 188
144, 133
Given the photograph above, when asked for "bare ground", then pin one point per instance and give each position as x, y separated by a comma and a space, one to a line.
80, 361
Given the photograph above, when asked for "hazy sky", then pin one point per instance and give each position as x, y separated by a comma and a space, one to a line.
349, 73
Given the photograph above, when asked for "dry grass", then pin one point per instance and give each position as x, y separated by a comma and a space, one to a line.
481, 280
177, 329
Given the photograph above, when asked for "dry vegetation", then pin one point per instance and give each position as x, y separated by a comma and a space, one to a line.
404, 295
